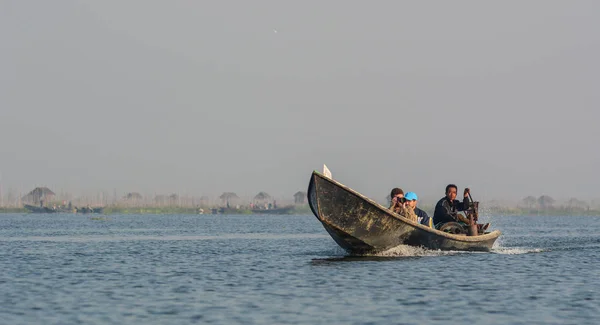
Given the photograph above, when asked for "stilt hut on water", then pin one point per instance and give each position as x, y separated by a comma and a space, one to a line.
229, 198
261, 200
299, 197
38, 195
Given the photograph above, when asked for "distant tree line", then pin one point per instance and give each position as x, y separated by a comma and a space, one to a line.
547, 205
546, 202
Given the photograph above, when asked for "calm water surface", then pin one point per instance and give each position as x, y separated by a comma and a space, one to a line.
174, 269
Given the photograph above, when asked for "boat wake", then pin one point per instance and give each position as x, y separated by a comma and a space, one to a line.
412, 251
499, 248
516, 250
405, 251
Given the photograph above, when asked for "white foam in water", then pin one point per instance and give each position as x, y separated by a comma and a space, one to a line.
410, 251
407, 251
515, 250
499, 249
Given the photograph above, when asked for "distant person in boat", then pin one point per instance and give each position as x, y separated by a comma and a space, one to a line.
400, 206
447, 208
422, 217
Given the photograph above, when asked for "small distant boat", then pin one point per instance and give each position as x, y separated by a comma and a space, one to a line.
361, 225
44, 209
39, 209
283, 210
89, 210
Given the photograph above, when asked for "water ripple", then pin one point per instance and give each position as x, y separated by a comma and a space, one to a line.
287, 270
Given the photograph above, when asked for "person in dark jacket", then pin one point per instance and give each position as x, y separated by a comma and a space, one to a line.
447, 208
422, 217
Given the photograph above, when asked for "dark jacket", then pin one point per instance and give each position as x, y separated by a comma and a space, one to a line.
446, 210
422, 217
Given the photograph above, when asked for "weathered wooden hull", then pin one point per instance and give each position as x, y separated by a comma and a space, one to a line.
361, 225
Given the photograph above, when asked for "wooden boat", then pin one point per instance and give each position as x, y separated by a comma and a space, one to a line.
89, 210
361, 225
44, 209
282, 210
38, 209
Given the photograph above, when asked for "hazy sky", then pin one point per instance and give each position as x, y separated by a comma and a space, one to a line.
202, 97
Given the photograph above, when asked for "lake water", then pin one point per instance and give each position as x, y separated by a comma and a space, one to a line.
187, 269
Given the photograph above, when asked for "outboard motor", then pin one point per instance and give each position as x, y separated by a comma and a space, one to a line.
473, 215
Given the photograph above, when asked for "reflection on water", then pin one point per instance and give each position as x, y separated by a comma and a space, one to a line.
174, 269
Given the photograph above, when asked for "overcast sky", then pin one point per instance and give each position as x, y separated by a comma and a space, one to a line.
202, 97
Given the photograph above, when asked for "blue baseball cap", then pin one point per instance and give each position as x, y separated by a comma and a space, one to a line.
411, 196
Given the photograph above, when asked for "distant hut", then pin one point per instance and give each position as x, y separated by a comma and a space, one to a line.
262, 199
262, 196
299, 197
38, 195
228, 198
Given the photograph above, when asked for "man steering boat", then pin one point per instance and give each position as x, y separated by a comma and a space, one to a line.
447, 208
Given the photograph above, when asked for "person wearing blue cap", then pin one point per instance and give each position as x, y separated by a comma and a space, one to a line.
422, 217
400, 205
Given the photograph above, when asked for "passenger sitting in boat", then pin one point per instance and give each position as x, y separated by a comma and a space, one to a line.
400, 206
446, 210
422, 217
395, 195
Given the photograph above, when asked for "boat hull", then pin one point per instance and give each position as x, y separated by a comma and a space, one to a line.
38, 209
361, 225
284, 210
89, 210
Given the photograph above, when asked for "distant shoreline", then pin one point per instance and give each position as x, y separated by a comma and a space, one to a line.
301, 209
111, 210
